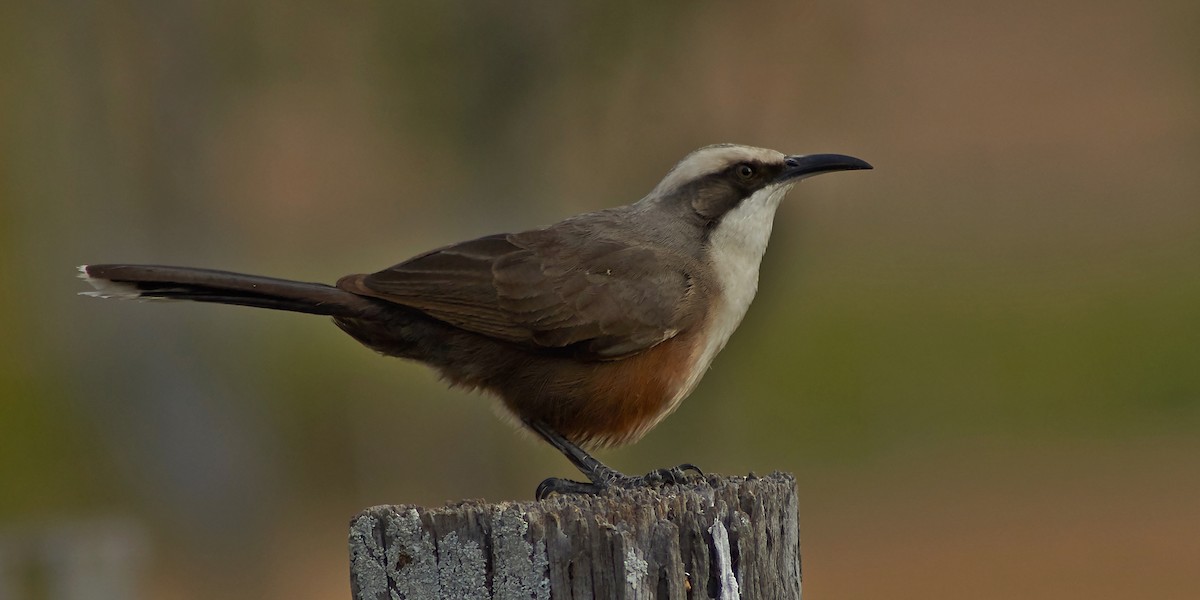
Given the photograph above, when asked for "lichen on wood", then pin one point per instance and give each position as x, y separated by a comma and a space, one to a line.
715, 537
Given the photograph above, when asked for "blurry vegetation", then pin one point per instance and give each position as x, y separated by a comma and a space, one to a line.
988, 347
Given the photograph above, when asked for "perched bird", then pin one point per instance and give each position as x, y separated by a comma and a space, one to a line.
589, 331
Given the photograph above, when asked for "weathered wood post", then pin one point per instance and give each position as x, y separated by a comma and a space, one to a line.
720, 537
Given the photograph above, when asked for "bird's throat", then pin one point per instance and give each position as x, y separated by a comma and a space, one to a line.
735, 250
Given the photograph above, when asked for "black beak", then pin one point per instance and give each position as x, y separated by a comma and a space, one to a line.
800, 167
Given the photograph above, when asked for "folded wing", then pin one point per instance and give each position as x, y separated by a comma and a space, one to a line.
546, 289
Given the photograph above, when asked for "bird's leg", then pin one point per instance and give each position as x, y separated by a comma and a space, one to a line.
600, 475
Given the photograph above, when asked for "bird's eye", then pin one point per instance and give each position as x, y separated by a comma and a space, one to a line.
745, 171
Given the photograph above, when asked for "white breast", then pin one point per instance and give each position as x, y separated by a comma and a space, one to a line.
736, 248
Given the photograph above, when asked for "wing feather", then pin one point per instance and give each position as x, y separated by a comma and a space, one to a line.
554, 288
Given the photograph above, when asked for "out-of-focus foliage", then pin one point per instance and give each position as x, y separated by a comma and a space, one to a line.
981, 359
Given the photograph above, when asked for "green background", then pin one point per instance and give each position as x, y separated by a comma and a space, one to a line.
981, 360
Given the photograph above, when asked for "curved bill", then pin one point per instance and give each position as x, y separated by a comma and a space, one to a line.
802, 166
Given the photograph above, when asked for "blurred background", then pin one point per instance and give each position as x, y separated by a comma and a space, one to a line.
981, 360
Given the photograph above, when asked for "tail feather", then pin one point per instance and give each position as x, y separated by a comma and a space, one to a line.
153, 282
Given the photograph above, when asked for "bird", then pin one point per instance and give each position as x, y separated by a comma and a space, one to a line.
588, 331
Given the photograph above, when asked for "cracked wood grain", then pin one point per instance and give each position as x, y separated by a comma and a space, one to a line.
719, 537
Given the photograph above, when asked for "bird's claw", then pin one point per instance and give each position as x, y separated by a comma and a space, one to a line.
609, 478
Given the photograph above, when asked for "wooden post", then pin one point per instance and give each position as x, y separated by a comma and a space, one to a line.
720, 537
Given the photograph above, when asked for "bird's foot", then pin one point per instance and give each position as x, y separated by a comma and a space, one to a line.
604, 478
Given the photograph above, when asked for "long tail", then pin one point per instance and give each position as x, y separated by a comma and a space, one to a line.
206, 285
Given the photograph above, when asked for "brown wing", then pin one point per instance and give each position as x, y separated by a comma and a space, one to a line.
546, 289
